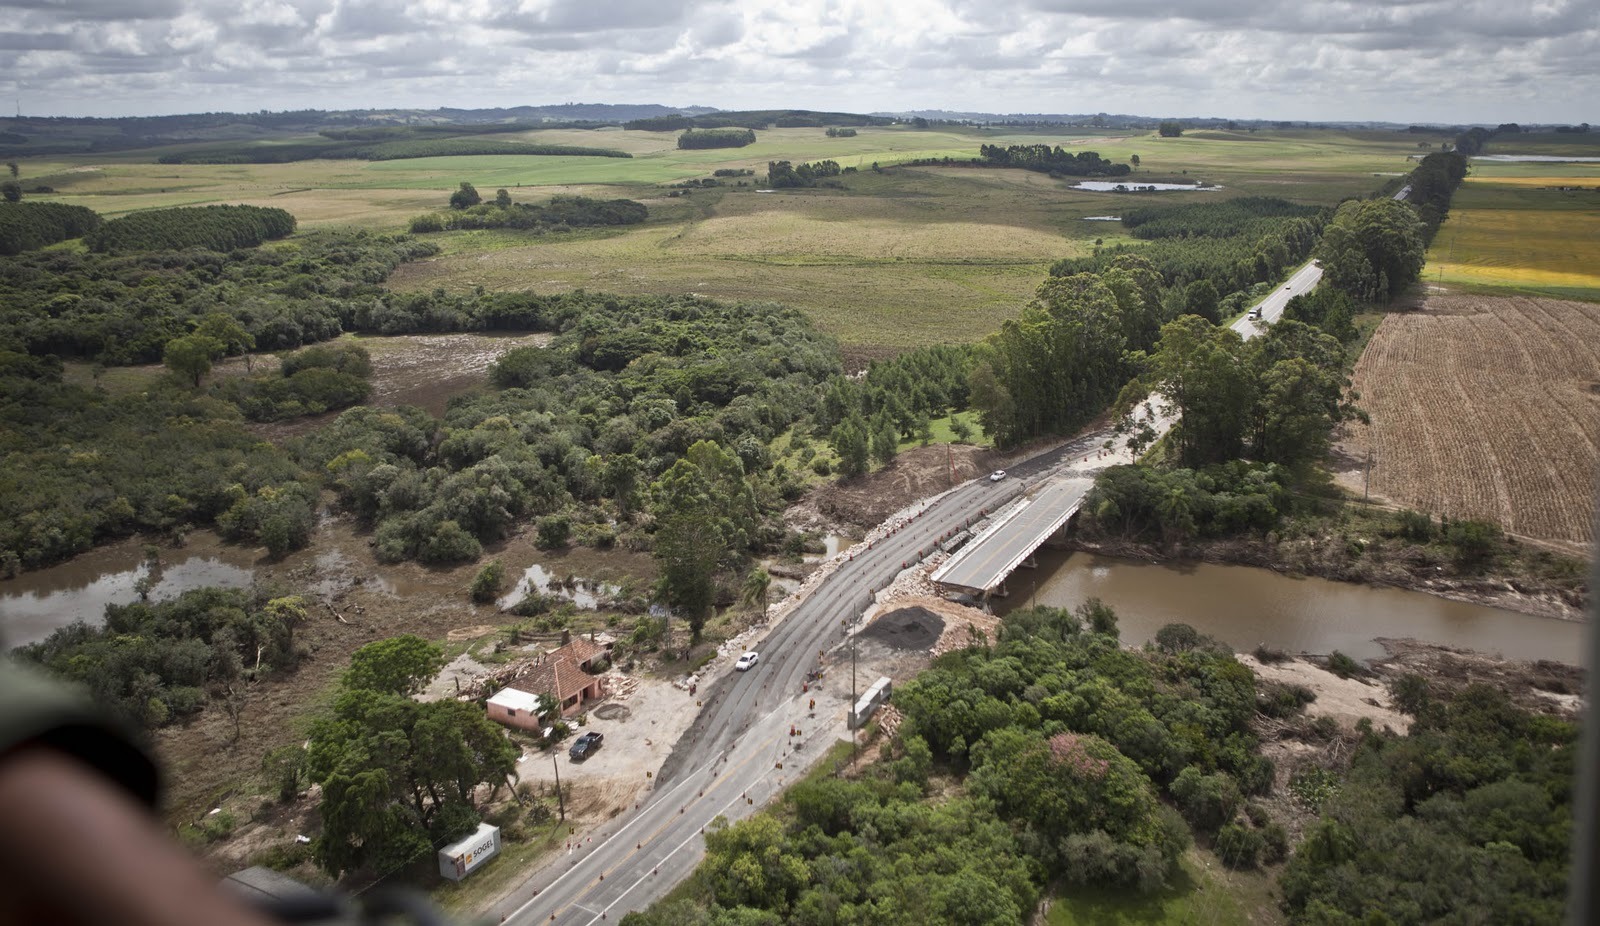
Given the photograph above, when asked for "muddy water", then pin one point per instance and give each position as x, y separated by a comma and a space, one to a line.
36, 603
1245, 606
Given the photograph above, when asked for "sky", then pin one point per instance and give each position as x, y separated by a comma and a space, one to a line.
1447, 61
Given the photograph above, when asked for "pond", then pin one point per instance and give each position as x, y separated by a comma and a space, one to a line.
1125, 186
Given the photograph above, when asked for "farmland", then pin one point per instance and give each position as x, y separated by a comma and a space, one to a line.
894, 259
1511, 229
1488, 407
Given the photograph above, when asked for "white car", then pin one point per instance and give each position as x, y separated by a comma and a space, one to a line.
997, 475
747, 661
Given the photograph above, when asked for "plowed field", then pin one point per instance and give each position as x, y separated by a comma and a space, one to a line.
1488, 407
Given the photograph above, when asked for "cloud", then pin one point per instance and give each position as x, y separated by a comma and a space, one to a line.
1399, 60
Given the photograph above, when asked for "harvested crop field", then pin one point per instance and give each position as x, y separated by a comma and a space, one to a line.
1488, 407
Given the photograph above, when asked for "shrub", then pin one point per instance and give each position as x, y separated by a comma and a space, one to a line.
487, 583
1239, 847
1344, 666
1206, 801
554, 530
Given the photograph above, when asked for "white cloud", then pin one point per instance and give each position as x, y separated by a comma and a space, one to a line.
1400, 60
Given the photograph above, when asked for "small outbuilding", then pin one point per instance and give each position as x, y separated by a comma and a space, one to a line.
516, 709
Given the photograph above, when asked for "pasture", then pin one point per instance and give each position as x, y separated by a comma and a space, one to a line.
1488, 407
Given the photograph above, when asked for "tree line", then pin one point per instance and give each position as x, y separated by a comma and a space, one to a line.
394, 150
1054, 161
559, 212
784, 175
215, 228
30, 226
716, 138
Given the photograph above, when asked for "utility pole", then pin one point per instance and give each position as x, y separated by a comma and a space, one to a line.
560, 800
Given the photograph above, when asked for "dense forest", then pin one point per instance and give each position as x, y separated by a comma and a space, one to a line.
124, 308
215, 228
28, 226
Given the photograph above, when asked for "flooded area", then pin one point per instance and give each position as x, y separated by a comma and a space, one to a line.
36, 603
536, 579
1110, 186
1245, 606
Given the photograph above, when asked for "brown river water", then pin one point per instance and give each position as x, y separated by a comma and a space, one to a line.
1244, 606
1240, 605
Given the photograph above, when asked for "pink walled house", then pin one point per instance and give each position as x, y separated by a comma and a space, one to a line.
563, 675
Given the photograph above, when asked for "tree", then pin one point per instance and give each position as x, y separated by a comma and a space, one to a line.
1134, 160
885, 440
191, 356
398, 666
15, 169
1201, 372
487, 583
704, 512
227, 331
850, 442
502, 199
1373, 249
756, 587
12, 191
1201, 298
465, 197
1170, 128
398, 775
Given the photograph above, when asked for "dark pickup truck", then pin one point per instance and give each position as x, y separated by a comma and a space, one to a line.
586, 745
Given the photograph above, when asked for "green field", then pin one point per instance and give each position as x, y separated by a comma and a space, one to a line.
896, 259
1510, 229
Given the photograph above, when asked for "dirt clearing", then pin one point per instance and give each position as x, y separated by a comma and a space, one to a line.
1487, 407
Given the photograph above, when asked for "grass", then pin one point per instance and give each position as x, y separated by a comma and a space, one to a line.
1202, 892
1505, 233
943, 433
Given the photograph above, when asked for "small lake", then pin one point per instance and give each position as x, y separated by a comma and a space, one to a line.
585, 593
34, 604
1245, 606
1537, 158
1123, 186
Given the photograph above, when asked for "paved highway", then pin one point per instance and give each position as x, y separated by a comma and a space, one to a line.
727, 762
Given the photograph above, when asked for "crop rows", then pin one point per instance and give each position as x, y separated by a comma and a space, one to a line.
1489, 407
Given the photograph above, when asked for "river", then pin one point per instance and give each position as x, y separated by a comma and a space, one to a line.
1245, 606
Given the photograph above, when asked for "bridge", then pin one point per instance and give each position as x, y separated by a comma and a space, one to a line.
981, 566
